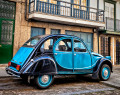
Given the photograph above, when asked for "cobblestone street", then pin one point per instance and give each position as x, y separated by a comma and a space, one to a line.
73, 85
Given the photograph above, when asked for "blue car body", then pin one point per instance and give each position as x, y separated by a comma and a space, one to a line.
35, 61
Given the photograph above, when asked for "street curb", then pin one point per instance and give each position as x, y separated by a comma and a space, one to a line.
3, 65
111, 85
6, 76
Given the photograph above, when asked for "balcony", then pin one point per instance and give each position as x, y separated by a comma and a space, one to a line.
66, 13
117, 25
110, 24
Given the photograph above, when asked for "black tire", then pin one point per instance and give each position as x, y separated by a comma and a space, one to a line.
24, 78
43, 85
104, 72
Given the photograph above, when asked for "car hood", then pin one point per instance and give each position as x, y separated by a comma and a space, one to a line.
22, 55
96, 54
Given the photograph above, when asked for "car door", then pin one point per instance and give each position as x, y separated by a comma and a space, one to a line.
82, 57
63, 54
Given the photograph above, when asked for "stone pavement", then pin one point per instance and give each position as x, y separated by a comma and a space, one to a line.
114, 80
2, 71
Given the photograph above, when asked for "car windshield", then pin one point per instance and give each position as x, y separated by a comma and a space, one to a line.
32, 42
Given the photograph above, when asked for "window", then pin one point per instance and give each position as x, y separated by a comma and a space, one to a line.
7, 9
112, 12
37, 31
64, 45
32, 42
106, 11
77, 2
50, 1
80, 2
109, 10
44, 0
83, 3
87, 37
48, 45
53, 1
55, 31
79, 46
105, 46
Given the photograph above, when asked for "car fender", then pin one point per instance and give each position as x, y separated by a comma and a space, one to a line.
35, 62
98, 66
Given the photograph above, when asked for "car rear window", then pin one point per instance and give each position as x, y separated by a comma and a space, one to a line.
32, 42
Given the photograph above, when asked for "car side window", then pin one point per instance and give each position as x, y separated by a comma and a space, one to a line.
64, 45
79, 46
47, 45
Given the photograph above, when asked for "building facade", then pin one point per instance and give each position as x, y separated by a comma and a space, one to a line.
109, 36
22, 19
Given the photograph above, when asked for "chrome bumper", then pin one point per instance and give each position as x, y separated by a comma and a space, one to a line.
12, 72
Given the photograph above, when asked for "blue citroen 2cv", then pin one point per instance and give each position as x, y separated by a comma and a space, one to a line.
42, 57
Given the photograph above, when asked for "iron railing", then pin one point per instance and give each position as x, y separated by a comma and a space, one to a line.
110, 24
67, 9
117, 25
105, 46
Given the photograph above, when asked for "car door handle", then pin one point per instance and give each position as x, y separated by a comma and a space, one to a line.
55, 53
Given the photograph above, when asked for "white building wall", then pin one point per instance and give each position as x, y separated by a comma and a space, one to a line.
118, 10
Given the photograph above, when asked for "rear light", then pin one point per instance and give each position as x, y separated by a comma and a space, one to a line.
18, 67
9, 63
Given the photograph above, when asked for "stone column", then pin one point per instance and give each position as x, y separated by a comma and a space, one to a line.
47, 31
113, 50
62, 31
17, 28
95, 42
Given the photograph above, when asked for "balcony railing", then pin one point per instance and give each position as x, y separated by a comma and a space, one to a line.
67, 10
110, 24
117, 25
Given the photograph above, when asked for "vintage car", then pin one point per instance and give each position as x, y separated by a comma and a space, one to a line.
42, 57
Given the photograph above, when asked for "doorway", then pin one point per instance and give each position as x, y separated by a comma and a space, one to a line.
7, 23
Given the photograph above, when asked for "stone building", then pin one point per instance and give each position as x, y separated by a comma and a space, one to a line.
109, 39
22, 19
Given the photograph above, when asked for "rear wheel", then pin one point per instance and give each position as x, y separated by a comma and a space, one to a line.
44, 81
105, 72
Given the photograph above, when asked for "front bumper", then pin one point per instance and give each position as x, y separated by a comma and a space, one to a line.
12, 72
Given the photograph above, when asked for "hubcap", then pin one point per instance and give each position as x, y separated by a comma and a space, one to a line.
105, 72
45, 78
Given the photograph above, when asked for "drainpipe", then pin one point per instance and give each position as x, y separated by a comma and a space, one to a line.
26, 10
98, 20
97, 11
97, 4
113, 52
98, 38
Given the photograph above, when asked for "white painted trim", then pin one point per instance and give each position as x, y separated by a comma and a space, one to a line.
113, 52
65, 20
35, 5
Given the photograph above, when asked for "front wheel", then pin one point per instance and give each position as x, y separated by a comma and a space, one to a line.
105, 72
44, 81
